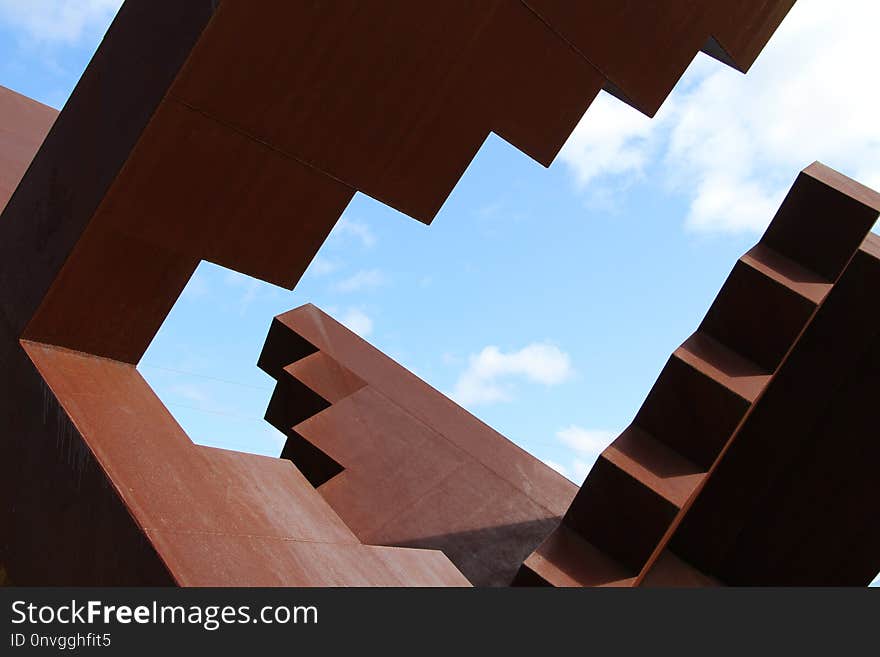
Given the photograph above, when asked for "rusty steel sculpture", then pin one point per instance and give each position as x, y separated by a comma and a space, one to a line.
237, 132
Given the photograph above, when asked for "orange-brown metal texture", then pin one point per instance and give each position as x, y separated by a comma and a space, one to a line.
633, 66
750, 460
412, 468
23, 127
237, 132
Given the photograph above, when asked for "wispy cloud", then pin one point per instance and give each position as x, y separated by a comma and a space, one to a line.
357, 321
561, 469
191, 393
250, 288
489, 210
487, 378
361, 280
198, 286
612, 139
585, 441
58, 21
358, 230
586, 445
321, 266
731, 144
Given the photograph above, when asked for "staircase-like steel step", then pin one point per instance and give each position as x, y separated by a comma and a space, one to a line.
654, 465
567, 560
643, 484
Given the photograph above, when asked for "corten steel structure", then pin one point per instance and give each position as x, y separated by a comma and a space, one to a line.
750, 461
237, 131
399, 462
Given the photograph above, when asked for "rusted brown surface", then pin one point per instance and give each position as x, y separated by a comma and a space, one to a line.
24, 124
660, 38
214, 517
807, 453
412, 468
750, 460
237, 132
669, 570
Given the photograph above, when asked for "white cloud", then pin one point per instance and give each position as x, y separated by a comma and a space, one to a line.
321, 266
732, 144
585, 441
561, 469
357, 321
250, 287
58, 21
486, 378
611, 139
811, 96
586, 445
361, 280
580, 468
357, 229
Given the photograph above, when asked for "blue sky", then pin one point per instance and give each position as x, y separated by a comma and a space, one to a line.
544, 300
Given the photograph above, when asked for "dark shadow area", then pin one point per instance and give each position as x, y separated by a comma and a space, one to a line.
291, 403
490, 556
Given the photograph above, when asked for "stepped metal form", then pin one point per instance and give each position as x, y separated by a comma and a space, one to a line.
732, 414
237, 131
399, 462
